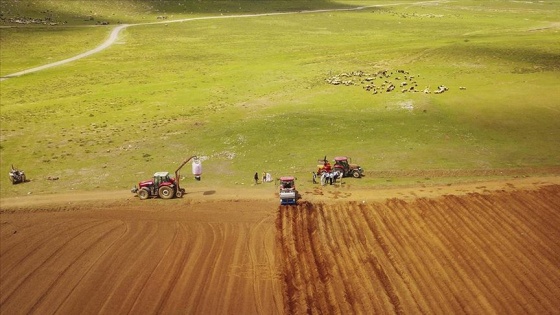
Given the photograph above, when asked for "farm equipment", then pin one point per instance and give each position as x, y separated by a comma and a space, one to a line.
164, 186
288, 192
17, 176
341, 165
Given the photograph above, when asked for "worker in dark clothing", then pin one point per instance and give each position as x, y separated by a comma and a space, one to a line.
256, 177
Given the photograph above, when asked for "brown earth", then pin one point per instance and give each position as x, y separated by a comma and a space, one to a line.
481, 248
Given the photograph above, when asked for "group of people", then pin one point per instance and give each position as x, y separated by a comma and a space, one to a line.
327, 175
266, 177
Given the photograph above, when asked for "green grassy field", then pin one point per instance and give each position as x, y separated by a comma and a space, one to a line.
250, 94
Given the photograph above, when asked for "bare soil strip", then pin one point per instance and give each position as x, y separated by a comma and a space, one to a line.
473, 249
206, 258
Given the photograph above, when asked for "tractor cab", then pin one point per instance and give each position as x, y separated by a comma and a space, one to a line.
287, 182
288, 193
162, 177
341, 161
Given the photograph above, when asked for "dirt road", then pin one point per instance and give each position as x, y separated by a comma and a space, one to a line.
476, 248
114, 34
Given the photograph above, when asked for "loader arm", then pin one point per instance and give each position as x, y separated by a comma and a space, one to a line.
179, 168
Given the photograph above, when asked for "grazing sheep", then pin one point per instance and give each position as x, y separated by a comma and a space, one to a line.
441, 89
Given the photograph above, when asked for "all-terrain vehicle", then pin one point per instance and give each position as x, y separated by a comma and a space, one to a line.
164, 186
17, 176
288, 193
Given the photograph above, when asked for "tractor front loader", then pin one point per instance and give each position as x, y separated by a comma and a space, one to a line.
163, 186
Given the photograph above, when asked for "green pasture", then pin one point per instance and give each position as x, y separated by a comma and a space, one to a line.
249, 94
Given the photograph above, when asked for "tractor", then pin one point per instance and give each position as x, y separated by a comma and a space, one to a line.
341, 165
288, 193
164, 186
17, 176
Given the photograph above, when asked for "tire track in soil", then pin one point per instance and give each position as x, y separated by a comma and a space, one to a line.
261, 261
526, 242
207, 258
474, 253
87, 271
402, 282
188, 276
40, 258
33, 235
341, 246
425, 254
38, 240
201, 276
479, 238
389, 242
468, 252
495, 251
474, 289
364, 248
164, 277
123, 268
125, 287
459, 282
44, 304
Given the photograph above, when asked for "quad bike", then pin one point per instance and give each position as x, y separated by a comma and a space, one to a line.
17, 176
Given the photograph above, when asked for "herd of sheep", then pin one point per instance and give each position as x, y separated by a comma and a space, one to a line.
384, 81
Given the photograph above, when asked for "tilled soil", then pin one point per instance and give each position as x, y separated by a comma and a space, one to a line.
471, 254
479, 249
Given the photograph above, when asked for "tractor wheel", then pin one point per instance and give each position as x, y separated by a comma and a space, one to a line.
166, 192
356, 174
143, 194
179, 194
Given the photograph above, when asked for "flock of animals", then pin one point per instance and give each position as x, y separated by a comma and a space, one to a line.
384, 81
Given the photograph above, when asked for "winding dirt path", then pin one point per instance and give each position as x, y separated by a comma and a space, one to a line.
113, 36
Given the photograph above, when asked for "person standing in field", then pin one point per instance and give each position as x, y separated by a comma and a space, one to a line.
256, 178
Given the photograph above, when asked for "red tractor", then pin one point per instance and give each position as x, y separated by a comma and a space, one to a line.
164, 186
342, 166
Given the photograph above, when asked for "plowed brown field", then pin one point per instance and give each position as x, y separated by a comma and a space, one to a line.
479, 252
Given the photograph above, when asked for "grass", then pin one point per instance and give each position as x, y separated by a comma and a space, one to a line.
250, 94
